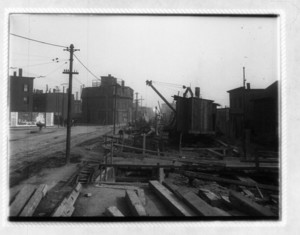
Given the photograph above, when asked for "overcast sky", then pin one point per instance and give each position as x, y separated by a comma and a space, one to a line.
208, 52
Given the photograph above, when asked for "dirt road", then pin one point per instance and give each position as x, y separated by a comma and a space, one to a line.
30, 150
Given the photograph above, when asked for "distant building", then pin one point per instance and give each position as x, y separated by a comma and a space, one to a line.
265, 117
21, 92
98, 102
255, 110
55, 102
223, 121
241, 107
195, 115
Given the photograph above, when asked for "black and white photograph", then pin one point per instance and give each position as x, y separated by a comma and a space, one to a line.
144, 117
149, 117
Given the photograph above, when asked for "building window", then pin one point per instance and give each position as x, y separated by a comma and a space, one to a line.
25, 100
25, 88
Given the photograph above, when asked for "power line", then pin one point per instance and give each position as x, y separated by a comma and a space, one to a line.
86, 68
56, 69
47, 43
32, 65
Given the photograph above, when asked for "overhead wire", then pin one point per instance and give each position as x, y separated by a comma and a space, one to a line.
32, 65
38, 41
86, 67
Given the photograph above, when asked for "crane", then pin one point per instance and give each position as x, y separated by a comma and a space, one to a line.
149, 83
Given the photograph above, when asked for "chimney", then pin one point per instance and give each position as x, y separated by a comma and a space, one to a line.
20, 73
76, 95
50, 90
123, 83
15, 73
109, 75
46, 88
248, 86
54, 90
197, 92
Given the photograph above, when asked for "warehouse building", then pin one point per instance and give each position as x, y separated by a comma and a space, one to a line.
104, 100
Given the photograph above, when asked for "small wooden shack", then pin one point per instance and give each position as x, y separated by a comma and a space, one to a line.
195, 115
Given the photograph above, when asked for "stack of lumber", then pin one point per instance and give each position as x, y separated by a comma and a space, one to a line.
27, 200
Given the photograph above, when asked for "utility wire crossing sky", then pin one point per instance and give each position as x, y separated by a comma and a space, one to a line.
198, 51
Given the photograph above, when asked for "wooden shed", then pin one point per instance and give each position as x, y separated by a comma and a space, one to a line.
195, 115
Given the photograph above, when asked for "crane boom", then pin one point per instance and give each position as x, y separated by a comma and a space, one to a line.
149, 83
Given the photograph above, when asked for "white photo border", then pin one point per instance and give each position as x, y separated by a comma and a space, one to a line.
280, 14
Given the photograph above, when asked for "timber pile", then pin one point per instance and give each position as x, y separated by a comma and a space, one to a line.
202, 194
66, 207
27, 200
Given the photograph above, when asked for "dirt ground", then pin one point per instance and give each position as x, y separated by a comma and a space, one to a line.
39, 157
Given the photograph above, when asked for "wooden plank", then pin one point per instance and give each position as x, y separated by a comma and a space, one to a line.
210, 197
216, 153
135, 204
34, 201
122, 187
247, 205
21, 199
66, 207
227, 181
170, 199
113, 211
195, 202
141, 195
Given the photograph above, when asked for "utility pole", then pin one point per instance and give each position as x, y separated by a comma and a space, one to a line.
136, 106
70, 72
115, 108
244, 114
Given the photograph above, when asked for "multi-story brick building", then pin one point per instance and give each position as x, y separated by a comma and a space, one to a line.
21, 92
98, 102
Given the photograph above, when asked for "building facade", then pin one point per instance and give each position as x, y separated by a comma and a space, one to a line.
100, 103
21, 92
255, 110
55, 102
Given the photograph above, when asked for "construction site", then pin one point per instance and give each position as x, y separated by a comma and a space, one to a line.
170, 167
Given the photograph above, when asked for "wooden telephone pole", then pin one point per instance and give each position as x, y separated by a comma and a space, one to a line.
69, 117
244, 114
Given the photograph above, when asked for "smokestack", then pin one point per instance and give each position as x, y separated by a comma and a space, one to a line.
248, 86
197, 92
15, 73
20, 73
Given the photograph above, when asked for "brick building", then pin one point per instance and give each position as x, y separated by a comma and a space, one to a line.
21, 92
55, 102
98, 102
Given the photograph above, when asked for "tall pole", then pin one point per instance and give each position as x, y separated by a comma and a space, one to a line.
115, 109
63, 105
57, 109
136, 106
69, 117
244, 114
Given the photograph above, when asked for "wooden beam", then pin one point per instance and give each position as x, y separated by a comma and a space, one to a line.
66, 208
34, 201
227, 181
247, 205
170, 200
113, 211
210, 197
195, 202
135, 204
21, 199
